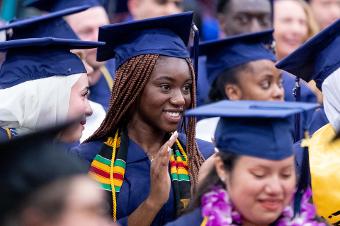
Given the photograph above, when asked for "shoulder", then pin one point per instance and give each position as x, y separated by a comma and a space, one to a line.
192, 218
206, 148
87, 151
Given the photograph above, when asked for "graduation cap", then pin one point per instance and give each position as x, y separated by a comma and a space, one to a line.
29, 163
262, 129
40, 47
317, 58
48, 25
236, 50
167, 36
55, 5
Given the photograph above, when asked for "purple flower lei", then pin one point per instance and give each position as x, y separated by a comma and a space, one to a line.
219, 211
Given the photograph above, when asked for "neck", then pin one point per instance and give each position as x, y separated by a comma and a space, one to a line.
150, 139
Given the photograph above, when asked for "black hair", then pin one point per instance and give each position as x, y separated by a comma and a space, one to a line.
229, 160
228, 76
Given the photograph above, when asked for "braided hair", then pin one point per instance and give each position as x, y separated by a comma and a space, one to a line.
130, 80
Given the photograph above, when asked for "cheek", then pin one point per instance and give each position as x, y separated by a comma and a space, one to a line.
244, 190
77, 107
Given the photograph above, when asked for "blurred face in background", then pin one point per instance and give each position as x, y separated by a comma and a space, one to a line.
325, 11
244, 16
141, 9
86, 25
290, 24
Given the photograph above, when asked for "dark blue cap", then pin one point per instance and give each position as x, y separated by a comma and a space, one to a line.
236, 50
260, 129
56, 5
317, 58
48, 25
39, 49
167, 36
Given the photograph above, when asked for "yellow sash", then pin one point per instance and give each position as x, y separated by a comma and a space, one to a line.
324, 160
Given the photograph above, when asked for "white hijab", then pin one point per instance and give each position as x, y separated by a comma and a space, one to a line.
37, 103
331, 98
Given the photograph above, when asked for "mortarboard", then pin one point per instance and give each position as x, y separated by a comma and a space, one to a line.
30, 162
262, 129
317, 58
234, 51
167, 36
39, 49
48, 25
56, 5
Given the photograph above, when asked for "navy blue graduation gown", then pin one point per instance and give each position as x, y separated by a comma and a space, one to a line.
136, 185
193, 218
319, 119
100, 92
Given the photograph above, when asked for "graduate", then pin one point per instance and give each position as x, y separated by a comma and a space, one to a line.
86, 25
41, 82
147, 168
36, 189
318, 59
240, 68
253, 178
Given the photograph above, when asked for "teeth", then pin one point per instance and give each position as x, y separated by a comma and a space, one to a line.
173, 114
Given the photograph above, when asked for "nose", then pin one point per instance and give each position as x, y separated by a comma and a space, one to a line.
177, 98
278, 92
274, 186
255, 25
88, 109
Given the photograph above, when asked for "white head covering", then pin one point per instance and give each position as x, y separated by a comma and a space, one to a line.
331, 98
37, 103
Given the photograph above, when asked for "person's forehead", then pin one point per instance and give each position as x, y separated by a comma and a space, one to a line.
250, 6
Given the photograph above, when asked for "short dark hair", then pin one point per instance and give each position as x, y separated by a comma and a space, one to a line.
228, 76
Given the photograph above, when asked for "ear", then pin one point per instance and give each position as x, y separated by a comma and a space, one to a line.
222, 173
233, 91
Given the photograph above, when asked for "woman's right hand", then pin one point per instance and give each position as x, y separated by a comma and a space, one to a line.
159, 173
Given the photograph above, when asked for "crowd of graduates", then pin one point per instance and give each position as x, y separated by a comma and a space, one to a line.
157, 115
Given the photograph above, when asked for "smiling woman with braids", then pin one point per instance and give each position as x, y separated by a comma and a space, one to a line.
137, 151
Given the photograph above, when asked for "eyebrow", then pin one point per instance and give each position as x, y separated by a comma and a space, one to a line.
169, 78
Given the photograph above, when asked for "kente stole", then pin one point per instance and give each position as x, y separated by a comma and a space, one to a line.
110, 175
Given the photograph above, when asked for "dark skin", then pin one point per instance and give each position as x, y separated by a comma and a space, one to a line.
158, 112
244, 16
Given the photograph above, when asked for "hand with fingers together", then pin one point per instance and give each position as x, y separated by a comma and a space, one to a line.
159, 173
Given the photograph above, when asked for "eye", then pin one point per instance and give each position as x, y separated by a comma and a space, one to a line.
86, 93
286, 174
243, 19
258, 174
265, 84
187, 88
165, 87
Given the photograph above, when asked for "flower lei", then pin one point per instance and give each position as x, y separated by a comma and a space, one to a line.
219, 211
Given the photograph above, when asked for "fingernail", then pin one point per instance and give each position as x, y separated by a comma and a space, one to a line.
169, 149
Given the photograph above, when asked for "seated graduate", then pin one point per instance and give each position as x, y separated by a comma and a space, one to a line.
240, 68
253, 179
41, 185
86, 25
318, 59
154, 84
41, 82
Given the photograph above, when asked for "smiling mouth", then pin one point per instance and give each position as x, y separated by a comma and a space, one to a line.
173, 116
271, 204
